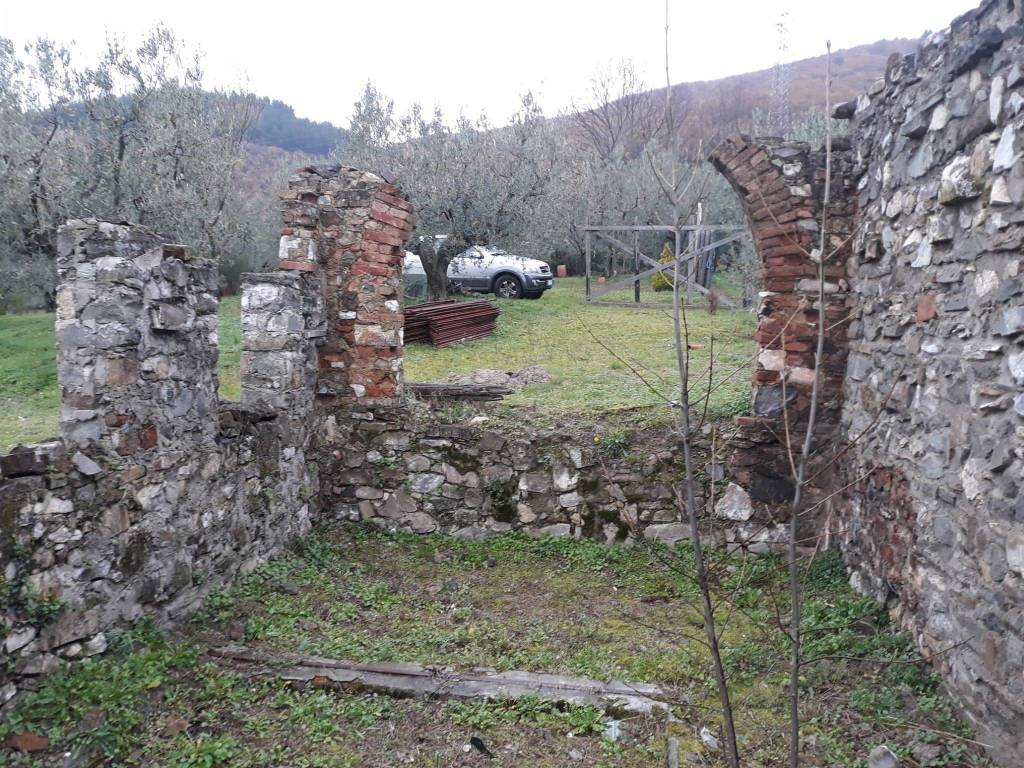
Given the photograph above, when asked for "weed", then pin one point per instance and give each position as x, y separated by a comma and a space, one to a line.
612, 445
18, 596
826, 573
378, 597
107, 693
205, 752
874, 705
576, 719
41, 610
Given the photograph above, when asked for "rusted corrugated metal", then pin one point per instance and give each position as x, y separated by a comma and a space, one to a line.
447, 322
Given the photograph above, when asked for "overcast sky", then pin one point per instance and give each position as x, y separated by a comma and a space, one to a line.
471, 54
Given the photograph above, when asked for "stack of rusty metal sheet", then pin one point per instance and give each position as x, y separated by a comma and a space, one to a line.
417, 320
447, 322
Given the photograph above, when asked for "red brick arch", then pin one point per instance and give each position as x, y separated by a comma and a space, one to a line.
780, 186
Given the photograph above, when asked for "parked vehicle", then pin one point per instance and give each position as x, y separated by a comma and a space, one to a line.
481, 269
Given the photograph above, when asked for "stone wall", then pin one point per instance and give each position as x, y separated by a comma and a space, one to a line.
935, 520
403, 469
156, 492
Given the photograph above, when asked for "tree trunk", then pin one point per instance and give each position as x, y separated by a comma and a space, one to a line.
435, 264
436, 269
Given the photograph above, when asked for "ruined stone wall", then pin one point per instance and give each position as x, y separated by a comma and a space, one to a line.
403, 469
156, 493
351, 227
935, 383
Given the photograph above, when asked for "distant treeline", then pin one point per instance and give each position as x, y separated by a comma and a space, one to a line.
279, 127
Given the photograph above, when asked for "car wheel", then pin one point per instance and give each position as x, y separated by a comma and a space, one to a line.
508, 287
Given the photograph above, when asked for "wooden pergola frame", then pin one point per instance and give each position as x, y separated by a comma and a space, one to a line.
610, 234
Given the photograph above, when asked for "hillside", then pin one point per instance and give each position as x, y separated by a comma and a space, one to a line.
722, 103
707, 111
279, 127
853, 70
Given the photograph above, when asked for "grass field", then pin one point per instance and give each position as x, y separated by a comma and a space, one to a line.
559, 332
513, 602
579, 346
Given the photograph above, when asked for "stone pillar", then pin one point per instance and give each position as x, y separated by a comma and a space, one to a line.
282, 324
351, 226
136, 344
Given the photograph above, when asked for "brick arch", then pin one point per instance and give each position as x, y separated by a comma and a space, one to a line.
779, 184
351, 226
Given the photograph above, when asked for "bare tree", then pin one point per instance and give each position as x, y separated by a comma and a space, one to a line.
620, 116
676, 185
796, 592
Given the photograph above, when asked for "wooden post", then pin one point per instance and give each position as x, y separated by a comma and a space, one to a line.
636, 265
699, 265
679, 243
586, 252
695, 242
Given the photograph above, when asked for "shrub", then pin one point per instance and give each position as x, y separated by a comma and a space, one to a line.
661, 281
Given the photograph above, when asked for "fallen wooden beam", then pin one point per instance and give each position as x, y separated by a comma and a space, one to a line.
406, 679
429, 391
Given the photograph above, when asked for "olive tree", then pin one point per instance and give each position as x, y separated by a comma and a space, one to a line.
38, 163
133, 136
471, 182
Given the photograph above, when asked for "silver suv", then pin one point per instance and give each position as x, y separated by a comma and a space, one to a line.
486, 270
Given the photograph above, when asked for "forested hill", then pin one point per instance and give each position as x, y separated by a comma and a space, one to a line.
279, 127
715, 108
726, 101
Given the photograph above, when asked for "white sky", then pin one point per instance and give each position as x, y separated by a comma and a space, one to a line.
471, 54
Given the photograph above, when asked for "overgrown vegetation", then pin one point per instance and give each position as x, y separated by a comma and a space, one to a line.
512, 602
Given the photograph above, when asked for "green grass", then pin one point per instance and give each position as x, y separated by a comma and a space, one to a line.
28, 379
230, 332
512, 602
593, 353
590, 351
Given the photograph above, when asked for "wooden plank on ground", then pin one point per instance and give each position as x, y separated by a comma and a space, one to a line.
430, 391
405, 679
